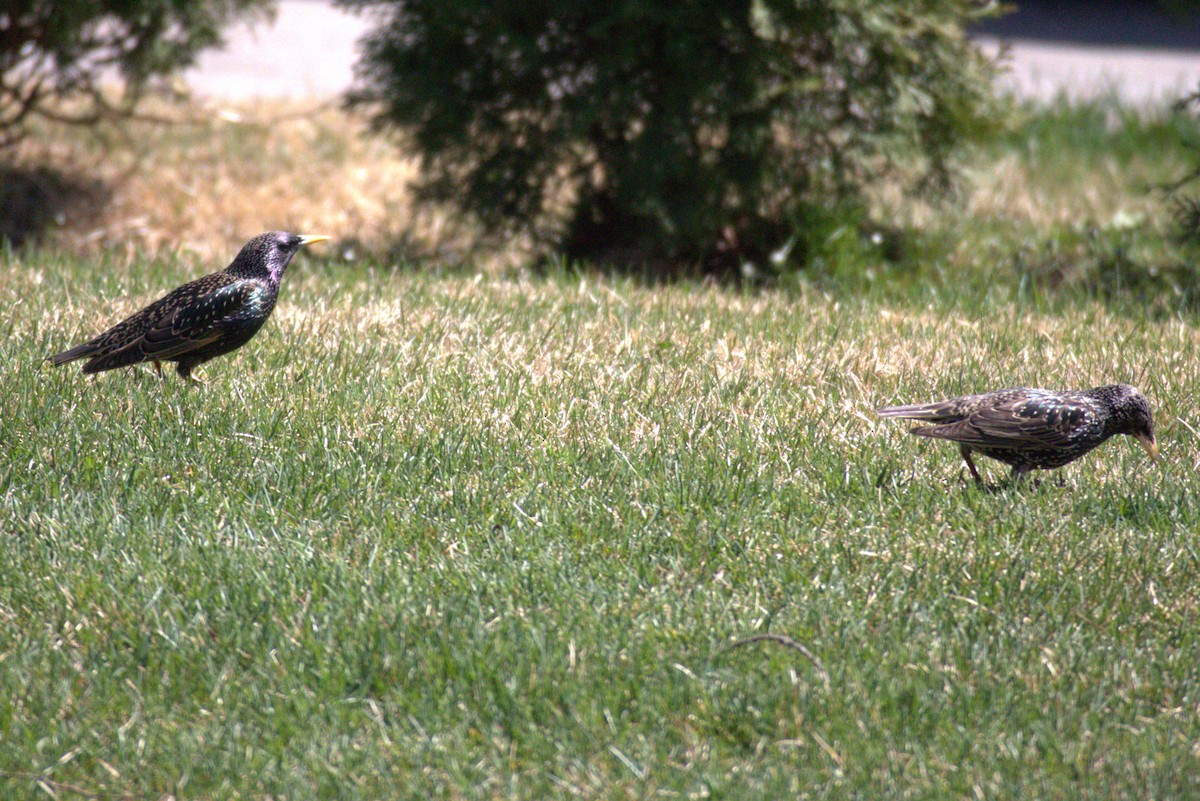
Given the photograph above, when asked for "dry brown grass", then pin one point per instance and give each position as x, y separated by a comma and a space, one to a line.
225, 171
220, 173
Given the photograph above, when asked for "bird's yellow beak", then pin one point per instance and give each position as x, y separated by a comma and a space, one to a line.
308, 240
1148, 444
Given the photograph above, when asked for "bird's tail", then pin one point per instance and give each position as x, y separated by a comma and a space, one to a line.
920, 411
111, 361
77, 352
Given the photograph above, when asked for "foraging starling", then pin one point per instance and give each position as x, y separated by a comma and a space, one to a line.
1034, 429
202, 319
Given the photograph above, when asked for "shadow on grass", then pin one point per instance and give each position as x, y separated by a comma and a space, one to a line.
35, 199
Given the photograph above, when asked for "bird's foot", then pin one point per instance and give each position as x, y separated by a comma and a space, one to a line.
185, 372
974, 479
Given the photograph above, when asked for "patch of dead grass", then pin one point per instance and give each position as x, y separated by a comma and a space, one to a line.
226, 171
681, 358
222, 173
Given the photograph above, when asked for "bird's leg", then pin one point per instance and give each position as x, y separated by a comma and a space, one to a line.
158, 368
1018, 475
966, 455
185, 372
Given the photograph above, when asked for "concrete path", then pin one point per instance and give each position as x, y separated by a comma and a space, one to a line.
1081, 49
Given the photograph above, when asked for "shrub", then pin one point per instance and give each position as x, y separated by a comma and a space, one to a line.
696, 131
57, 55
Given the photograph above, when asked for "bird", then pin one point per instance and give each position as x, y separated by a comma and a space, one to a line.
202, 319
1034, 429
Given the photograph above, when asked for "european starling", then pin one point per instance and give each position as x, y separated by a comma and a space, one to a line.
1034, 429
202, 319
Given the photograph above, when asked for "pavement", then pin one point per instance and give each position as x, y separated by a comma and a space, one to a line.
308, 51
1077, 48
1084, 49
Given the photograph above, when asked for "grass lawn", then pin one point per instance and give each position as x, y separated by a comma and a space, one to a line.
459, 533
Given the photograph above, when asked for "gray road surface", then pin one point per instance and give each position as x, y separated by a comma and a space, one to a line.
310, 51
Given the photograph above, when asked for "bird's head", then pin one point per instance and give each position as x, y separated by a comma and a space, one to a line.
1132, 415
267, 255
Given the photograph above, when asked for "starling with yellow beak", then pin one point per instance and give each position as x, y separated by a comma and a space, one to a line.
202, 319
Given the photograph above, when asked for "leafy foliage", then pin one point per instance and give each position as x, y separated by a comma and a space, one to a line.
697, 131
1184, 203
66, 50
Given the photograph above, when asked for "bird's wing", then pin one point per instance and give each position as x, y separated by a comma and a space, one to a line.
185, 320
937, 412
197, 321
1020, 422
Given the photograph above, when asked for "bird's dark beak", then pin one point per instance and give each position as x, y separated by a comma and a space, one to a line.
308, 240
1146, 440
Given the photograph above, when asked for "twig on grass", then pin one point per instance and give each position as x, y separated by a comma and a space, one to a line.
796, 645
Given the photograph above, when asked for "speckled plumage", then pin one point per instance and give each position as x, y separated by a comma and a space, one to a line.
1034, 429
202, 319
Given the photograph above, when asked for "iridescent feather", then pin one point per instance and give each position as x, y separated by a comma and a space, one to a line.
202, 319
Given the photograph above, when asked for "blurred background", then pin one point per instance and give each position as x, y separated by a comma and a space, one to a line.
393, 125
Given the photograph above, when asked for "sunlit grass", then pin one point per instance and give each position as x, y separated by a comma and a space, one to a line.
484, 535
446, 531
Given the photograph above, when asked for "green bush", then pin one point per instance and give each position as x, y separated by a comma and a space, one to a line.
693, 132
57, 58
1185, 203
